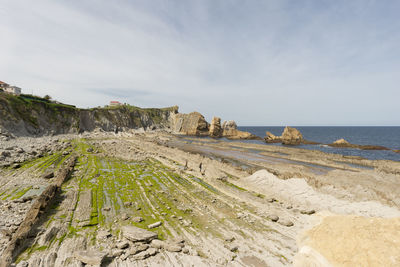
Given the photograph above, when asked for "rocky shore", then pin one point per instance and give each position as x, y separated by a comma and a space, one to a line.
156, 199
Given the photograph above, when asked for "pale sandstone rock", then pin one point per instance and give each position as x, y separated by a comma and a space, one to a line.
154, 225
172, 247
137, 219
291, 136
215, 127
351, 241
90, 257
138, 234
230, 131
271, 138
157, 243
190, 124
341, 142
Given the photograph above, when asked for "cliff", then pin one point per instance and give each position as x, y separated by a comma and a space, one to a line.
27, 115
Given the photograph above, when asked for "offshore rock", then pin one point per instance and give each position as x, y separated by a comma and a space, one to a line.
190, 124
215, 127
291, 136
230, 131
271, 138
229, 128
341, 142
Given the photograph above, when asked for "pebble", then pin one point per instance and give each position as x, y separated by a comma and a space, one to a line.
230, 239
273, 218
137, 219
154, 225
124, 216
286, 223
307, 212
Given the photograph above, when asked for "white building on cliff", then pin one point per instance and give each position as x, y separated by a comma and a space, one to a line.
115, 103
13, 90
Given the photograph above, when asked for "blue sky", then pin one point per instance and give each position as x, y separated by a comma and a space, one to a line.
257, 62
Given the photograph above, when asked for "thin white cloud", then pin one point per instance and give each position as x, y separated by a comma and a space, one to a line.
268, 62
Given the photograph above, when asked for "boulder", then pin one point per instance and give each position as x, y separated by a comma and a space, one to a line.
157, 244
122, 245
273, 217
48, 174
137, 219
291, 136
136, 234
271, 138
190, 124
172, 247
229, 128
154, 225
90, 257
215, 127
230, 131
286, 223
341, 142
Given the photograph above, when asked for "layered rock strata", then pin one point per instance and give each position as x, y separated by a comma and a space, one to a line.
190, 124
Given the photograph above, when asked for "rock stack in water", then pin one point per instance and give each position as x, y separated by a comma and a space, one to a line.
230, 131
290, 136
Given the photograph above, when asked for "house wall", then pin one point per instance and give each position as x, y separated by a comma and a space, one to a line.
13, 90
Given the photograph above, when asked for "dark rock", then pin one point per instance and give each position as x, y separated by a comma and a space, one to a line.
48, 175
273, 218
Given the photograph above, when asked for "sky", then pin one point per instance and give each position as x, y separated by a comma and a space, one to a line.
271, 62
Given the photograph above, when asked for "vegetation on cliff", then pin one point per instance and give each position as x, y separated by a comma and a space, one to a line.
32, 115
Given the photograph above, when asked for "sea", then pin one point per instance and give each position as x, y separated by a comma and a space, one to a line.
369, 135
